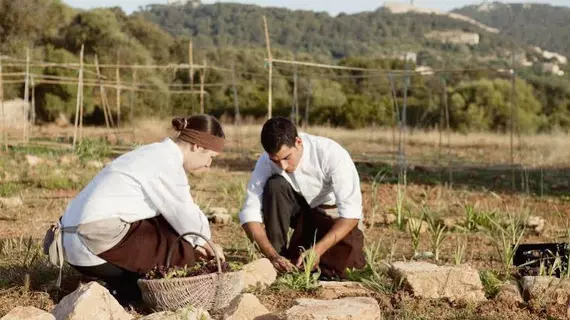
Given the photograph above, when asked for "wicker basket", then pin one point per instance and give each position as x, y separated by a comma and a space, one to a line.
210, 292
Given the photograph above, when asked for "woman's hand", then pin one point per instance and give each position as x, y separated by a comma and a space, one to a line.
207, 253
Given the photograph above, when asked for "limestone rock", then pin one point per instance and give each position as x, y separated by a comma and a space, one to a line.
427, 280
509, 292
340, 309
68, 159
546, 288
536, 223
33, 160
181, 314
216, 210
90, 301
334, 290
245, 307
258, 273
11, 202
220, 218
95, 164
28, 313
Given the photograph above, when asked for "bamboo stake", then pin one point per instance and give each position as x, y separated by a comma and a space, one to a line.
26, 94
309, 94
133, 97
295, 98
33, 104
118, 76
191, 72
270, 61
4, 133
76, 123
103, 95
202, 79
81, 106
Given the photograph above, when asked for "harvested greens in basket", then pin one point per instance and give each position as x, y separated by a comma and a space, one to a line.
199, 269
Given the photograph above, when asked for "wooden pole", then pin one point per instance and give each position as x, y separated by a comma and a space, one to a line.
4, 133
26, 94
118, 76
131, 116
191, 73
103, 95
270, 61
76, 124
448, 133
81, 106
309, 95
202, 79
33, 106
295, 97
237, 117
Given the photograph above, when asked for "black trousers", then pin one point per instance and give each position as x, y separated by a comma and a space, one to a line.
283, 208
120, 282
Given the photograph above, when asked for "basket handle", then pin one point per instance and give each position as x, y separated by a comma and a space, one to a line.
171, 250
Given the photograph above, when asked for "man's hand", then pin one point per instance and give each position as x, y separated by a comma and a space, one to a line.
282, 264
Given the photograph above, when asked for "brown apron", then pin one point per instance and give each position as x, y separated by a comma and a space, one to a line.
346, 254
146, 245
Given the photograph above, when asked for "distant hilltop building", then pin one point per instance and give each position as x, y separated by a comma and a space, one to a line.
193, 3
402, 7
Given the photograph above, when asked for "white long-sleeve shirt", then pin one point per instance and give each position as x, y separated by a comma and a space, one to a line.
139, 185
326, 174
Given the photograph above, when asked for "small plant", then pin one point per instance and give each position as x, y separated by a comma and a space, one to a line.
374, 194
93, 149
304, 279
507, 239
437, 235
400, 204
415, 230
491, 283
460, 249
370, 275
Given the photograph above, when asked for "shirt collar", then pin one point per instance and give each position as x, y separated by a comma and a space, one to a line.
175, 149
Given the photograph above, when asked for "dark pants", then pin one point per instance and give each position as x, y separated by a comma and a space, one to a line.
283, 208
144, 246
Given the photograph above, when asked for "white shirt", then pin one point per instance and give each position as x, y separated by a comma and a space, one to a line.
326, 174
138, 185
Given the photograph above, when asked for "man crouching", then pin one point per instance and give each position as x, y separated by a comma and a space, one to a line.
310, 184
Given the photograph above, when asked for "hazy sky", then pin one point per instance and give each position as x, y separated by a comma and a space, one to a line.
333, 7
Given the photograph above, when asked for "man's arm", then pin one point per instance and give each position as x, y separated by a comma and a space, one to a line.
256, 232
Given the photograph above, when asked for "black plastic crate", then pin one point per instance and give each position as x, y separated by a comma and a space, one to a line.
528, 258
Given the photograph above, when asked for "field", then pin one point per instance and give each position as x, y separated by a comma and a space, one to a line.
467, 182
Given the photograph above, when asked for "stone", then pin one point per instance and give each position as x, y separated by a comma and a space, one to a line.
90, 301
216, 210
68, 159
33, 160
11, 202
62, 120
340, 309
221, 218
450, 222
384, 219
340, 289
245, 307
546, 288
427, 280
413, 224
536, 223
95, 164
258, 273
181, 314
27, 313
509, 292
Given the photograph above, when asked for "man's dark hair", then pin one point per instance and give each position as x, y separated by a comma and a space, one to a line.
276, 133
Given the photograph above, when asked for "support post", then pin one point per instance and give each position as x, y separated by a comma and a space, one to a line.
77, 106
270, 61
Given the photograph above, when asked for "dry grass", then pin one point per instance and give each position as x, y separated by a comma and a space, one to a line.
46, 190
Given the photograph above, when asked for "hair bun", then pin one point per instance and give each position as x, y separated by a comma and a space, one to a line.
179, 124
